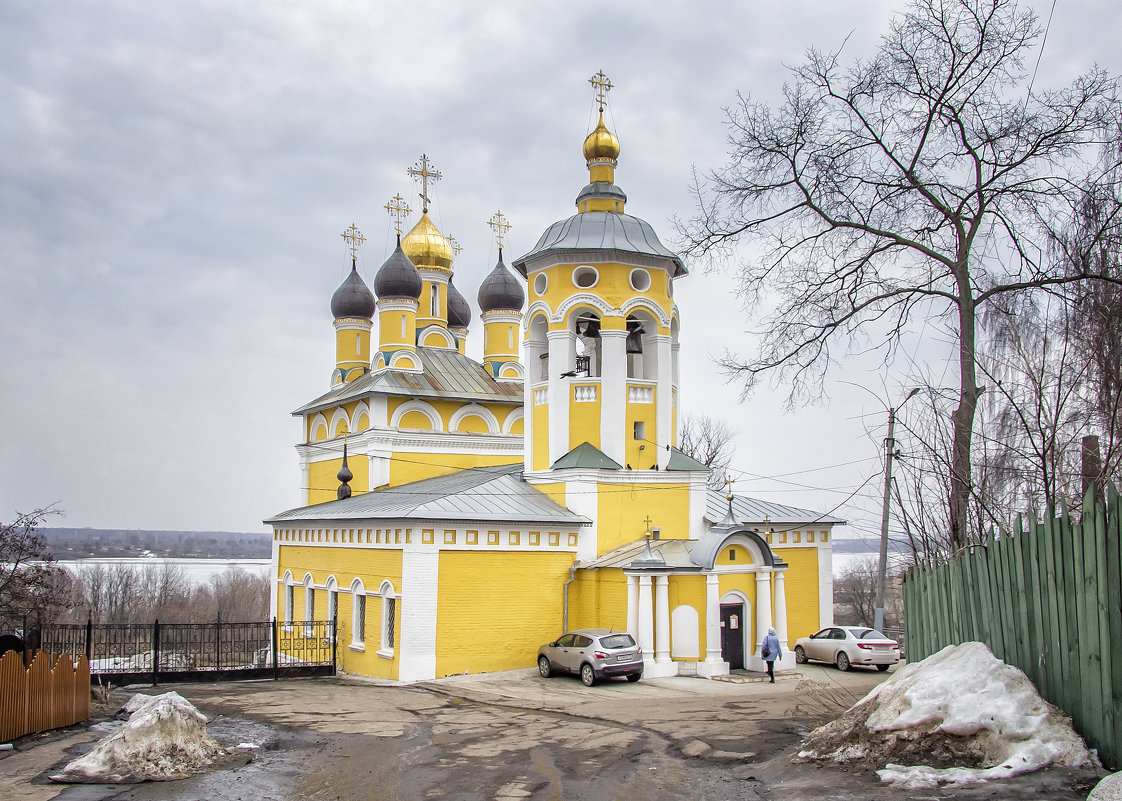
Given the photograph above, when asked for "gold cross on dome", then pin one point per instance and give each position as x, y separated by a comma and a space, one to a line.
728, 486
647, 522
424, 170
500, 225
456, 246
602, 86
354, 238
399, 210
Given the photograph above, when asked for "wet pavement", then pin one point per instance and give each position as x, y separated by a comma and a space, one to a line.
513, 736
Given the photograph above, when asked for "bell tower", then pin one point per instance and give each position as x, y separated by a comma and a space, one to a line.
601, 334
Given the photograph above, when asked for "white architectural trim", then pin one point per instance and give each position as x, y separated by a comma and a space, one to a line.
584, 299
359, 411
512, 418
444, 333
401, 355
318, 422
474, 410
340, 415
417, 406
640, 302
416, 623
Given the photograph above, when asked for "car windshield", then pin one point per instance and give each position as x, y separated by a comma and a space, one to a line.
617, 641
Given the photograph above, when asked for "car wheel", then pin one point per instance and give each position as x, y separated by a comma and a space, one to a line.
843, 661
882, 668
800, 655
544, 667
587, 675
634, 677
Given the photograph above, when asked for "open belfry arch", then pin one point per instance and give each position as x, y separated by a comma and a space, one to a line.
540, 487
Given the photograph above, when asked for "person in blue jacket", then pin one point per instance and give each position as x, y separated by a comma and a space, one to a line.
770, 652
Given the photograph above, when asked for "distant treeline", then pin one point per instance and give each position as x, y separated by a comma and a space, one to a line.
79, 543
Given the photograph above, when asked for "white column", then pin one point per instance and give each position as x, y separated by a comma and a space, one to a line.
633, 606
713, 664
662, 619
646, 619
780, 610
763, 609
560, 361
664, 399
613, 387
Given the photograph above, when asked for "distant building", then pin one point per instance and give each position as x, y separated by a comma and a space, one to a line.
461, 513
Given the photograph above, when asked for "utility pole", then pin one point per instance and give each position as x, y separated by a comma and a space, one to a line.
889, 455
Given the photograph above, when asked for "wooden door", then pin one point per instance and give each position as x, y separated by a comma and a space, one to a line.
732, 635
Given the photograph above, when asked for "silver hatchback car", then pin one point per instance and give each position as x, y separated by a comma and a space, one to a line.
593, 654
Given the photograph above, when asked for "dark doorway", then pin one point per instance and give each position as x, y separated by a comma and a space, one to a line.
732, 635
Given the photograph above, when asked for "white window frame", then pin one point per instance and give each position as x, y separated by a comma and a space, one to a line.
289, 594
389, 611
358, 616
332, 588
309, 606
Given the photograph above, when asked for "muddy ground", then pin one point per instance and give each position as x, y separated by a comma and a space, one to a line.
516, 736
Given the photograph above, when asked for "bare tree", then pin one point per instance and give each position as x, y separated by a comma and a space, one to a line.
709, 441
926, 180
855, 592
28, 575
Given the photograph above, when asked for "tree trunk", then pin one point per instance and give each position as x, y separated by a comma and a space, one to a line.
963, 417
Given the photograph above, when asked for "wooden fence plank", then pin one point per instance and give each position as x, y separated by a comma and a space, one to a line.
1106, 709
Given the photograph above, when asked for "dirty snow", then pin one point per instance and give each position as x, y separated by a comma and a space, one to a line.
958, 717
164, 738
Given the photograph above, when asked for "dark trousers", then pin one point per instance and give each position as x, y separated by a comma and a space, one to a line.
771, 669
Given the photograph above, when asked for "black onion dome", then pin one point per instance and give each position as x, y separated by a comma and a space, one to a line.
501, 290
398, 278
353, 298
459, 312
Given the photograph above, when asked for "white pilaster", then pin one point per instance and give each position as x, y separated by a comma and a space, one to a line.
613, 403
560, 361
417, 618
632, 606
665, 400
275, 566
781, 610
581, 499
763, 609
646, 622
713, 664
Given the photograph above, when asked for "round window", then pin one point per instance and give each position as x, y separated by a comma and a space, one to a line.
585, 277
640, 280
670, 287
541, 282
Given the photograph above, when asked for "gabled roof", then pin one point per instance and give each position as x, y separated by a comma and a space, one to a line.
448, 374
587, 456
753, 510
478, 495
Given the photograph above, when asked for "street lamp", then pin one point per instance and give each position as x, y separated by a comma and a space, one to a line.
882, 568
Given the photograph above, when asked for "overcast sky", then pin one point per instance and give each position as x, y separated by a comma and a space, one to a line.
174, 178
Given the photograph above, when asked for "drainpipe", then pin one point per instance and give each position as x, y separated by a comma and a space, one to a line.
565, 601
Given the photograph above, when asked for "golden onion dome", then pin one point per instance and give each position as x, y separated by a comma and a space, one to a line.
426, 246
601, 143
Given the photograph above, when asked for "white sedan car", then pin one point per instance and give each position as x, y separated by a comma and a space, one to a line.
848, 645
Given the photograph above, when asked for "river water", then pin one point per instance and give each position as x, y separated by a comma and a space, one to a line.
199, 571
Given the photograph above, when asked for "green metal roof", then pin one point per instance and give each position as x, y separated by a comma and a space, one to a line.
587, 456
680, 461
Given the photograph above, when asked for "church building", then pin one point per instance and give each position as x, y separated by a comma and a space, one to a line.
460, 513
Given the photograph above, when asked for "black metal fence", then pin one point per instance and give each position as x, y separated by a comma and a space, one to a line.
128, 653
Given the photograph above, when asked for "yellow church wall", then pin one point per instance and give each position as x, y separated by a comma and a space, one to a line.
733, 556
323, 484
801, 588
517, 426
496, 608
584, 417
598, 599
373, 566
362, 423
647, 413
472, 423
348, 352
689, 591
622, 508
406, 467
415, 420
541, 437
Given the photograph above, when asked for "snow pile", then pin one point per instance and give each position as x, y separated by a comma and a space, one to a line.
164, 738
960, 716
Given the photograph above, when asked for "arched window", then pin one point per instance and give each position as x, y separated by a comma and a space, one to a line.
435, 300
389, 619
586, 343
288, 593
358, 614
309, 606
332, 606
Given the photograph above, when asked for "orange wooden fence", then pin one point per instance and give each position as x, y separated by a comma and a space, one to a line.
51, 693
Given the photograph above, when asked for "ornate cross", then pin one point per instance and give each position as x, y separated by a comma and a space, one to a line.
456, 246
728, 486
602, 86
399, 210
500, 225
647, 522
424, 170
354, 238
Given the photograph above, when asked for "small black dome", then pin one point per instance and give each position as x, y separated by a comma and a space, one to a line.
459, 312
398, 278
353, 298
501, 290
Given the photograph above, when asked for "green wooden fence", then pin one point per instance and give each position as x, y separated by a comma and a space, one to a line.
1046, 597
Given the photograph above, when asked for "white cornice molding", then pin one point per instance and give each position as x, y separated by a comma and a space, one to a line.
388, 440
352, 324
398, 304
603, 476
